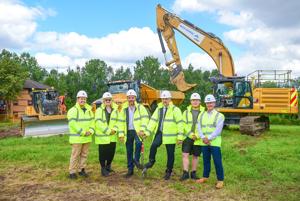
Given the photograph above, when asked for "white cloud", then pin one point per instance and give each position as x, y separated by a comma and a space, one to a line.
124, 47
58, 61
199, 61
268, 39
18, 22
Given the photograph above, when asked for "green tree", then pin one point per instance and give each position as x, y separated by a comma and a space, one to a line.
12, 75
28, 62
122, 74
94, 79
148, 70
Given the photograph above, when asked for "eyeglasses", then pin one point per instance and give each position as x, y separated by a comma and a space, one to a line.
107, 100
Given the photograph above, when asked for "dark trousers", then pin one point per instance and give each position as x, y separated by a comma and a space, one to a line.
217, 157
131, 137
106, 153
170, 151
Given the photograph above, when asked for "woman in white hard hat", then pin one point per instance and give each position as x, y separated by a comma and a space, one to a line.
81, 126
105, 136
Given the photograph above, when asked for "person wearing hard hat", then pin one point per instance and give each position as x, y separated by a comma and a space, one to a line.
167, 125
81, 127
133, 120
106, 117
191, 144
210, 127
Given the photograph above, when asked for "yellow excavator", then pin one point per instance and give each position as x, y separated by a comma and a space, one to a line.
242, 101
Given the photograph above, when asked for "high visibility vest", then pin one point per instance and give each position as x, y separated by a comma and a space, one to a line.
140, 119
172, 124
188, 123
208, 125
79, 123
102, 129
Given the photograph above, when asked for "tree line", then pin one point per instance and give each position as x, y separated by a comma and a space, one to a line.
92, 77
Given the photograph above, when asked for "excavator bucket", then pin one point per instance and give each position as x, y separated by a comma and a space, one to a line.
36, 127
180, 82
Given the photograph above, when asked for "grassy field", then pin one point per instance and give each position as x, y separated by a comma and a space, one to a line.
256, 168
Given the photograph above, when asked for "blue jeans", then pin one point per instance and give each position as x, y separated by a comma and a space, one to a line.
207, 151
131, 137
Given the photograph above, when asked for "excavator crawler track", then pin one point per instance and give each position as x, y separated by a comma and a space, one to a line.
254, 125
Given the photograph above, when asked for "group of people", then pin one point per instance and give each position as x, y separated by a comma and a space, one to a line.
196, 129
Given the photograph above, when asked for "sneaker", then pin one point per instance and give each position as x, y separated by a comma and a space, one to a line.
219, 185
202, 180
194, 175
83, 173
73, 176
185, 175
104, 172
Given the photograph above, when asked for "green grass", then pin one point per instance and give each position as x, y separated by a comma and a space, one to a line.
5, 125
261, 168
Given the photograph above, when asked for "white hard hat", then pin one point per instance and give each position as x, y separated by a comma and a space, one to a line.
165, 94
195, 96
82, 93
209, 98
106, 95
131, 92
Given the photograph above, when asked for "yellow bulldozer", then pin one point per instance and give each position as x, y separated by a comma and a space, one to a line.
46, 115
241, 101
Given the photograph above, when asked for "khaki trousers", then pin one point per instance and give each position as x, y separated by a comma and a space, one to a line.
78, 157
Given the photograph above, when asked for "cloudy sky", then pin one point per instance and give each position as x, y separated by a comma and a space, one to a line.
61, 33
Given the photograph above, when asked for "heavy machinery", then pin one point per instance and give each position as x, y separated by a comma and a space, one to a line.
247, 105
45, 114
146, 94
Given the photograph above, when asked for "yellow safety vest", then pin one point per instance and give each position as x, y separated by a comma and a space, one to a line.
79, 123
103, 130
172, 125
208, 125
188, 123
140, 119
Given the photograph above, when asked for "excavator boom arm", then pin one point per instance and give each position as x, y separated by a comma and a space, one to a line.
168, 22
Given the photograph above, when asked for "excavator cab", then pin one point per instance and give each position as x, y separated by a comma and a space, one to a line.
233, 93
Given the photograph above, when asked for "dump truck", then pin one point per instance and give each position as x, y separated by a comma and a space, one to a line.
146, 94
45, 115
248, 105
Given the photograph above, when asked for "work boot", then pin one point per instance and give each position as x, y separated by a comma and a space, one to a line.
184, 176
73, 176
108, 168
138, 165
129, 174
202, 180
83, 173
168, 174
219, 185
194, 175
104, 172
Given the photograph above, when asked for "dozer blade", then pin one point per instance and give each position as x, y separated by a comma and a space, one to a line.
32, 126
180, 83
